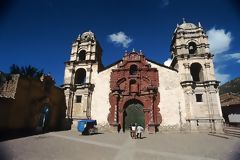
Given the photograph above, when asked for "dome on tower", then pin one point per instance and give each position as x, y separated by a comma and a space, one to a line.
188, 26
87, 36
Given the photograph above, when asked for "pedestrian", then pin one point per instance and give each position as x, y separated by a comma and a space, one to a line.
134, 130
139, 131
130, 129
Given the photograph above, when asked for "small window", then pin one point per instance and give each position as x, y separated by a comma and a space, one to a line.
199, 98
133, 69
78, 99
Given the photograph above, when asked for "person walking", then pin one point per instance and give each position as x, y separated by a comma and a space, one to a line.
134, 127
130, 129
139, 131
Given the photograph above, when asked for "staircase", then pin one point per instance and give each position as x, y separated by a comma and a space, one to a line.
232, 131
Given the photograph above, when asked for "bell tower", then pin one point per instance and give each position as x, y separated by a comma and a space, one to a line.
84, 64
191, 57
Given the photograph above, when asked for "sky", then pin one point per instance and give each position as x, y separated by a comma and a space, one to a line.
40, 32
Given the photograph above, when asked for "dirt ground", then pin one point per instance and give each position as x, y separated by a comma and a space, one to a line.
70, 145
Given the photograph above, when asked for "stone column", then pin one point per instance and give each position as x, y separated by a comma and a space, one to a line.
151, 125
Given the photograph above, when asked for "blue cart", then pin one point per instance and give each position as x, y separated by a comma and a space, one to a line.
87, 126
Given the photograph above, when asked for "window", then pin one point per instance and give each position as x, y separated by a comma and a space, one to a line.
133, 69
199, 98
192, 48
78, 99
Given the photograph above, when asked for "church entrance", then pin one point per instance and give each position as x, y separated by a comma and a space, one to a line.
134, 95
133, 114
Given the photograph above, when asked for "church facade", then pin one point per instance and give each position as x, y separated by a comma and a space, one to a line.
136, 89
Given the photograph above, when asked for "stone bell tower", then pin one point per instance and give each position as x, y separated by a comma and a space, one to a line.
84, 64
194, 62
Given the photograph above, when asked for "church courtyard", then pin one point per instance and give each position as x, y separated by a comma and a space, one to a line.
68, 145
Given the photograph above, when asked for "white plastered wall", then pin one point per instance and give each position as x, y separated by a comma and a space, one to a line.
171, 96
100, 98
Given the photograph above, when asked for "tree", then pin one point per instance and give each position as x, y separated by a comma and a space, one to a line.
26, 71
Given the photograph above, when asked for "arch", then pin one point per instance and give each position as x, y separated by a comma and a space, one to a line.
192, 48
44, 117
80, 76
196, 72
82, 55
133, 113
133, 69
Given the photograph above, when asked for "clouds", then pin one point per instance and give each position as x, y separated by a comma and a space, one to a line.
168, 62
120, 38
219, 40
222, 77
234, 56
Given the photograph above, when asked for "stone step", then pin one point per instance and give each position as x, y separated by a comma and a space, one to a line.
235, 128
231, 130
232, 133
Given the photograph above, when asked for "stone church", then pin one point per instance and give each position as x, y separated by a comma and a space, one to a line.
136, 89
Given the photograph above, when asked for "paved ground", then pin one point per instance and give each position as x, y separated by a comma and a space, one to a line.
67, 145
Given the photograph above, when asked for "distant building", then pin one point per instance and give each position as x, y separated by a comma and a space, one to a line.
26, 103
231, 108
137, 89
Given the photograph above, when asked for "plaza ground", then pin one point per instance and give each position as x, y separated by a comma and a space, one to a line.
70, 145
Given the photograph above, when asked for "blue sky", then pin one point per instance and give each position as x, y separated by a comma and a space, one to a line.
40, 32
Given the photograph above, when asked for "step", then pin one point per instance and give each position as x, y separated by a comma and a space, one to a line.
233, 134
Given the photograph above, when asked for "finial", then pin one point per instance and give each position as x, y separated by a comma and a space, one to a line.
125, 54
79, 36
199, 24
183, 20
133, 50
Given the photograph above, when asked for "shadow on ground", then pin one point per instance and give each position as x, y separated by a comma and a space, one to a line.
14, 134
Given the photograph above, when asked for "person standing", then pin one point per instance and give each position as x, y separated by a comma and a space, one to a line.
134, 127
140, 130
130, 129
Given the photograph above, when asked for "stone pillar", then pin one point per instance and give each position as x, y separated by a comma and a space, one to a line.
152, 125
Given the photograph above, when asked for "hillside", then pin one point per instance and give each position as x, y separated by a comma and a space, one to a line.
231, 86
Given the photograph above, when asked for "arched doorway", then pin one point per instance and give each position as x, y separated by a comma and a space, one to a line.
133, 113
44, 118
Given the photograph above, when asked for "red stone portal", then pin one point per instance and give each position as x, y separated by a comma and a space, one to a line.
134, 79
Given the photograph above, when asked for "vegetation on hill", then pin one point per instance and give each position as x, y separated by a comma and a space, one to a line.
231, 86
